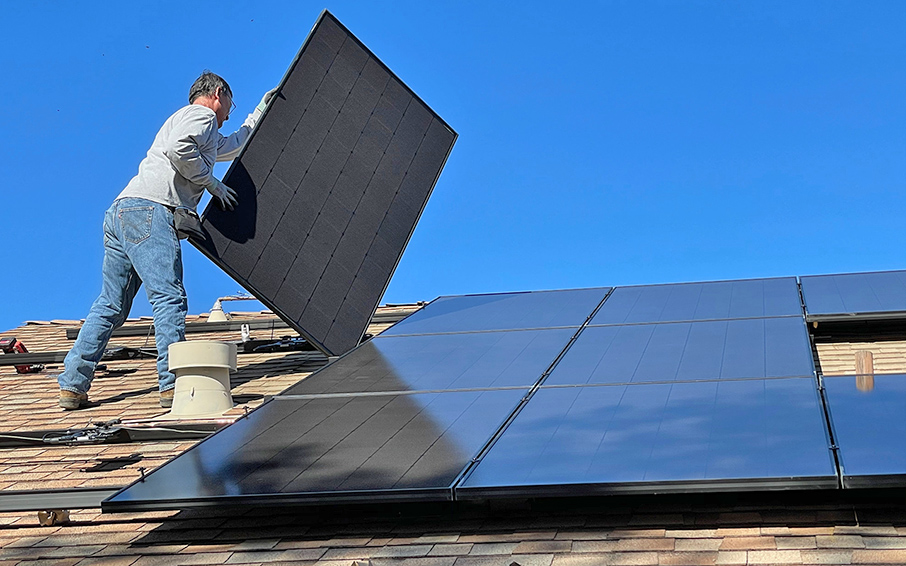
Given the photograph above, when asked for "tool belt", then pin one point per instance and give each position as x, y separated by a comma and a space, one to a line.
187, 223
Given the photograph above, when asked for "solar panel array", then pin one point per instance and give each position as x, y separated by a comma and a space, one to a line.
401, 417
331, 185
651, 389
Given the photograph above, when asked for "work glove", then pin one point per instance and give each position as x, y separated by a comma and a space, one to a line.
225, 195
265, 100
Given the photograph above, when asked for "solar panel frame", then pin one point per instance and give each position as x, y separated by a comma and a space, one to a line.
331, 287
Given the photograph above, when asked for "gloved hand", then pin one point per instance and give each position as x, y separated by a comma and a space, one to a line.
225, 195
267, 98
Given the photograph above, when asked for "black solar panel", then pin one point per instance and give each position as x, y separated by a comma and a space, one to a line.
723, 349
868, 415
331, 185
503, 311
855, 295
701, 301
751, 434
520, 395
355, 448
437, 362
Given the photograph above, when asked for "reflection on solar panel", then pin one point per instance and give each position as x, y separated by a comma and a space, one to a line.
331, 185
747, 434
702, 301
855, 295
868, 414
435, 362
353, 448
503, 311
689, 387
723, 349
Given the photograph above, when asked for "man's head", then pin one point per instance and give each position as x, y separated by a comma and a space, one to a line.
213, 92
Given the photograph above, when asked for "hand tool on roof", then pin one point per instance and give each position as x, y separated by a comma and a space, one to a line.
10, 345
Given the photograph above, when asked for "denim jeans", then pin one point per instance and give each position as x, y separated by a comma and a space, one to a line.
140, 246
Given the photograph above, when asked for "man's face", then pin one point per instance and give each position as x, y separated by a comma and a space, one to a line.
223, 107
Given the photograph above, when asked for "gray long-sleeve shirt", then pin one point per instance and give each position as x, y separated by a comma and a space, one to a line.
180, 163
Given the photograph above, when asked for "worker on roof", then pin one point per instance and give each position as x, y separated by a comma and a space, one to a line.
143, 226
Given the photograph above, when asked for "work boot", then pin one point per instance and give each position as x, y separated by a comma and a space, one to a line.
72, 401
166, 398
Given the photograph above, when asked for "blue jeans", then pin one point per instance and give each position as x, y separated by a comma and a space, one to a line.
140, 245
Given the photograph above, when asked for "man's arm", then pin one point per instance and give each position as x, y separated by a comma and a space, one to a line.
228, 147
184, 149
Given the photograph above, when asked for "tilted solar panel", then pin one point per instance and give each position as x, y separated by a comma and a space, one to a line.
851, 296
331, 185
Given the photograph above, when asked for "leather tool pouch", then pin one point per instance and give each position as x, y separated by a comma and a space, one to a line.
187, 224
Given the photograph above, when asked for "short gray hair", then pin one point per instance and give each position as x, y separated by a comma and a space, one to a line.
207, 84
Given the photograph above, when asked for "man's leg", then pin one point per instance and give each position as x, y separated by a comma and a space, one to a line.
158, 261
109, 311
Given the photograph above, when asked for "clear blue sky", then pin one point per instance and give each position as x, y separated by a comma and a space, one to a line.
601, 143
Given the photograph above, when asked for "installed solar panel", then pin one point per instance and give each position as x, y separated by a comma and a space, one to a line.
331, 185
750, 434
435, 362
723, 349
868, 416
355, 448
701, 301
847, 296
503, 311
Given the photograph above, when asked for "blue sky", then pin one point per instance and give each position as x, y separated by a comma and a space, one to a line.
601, 143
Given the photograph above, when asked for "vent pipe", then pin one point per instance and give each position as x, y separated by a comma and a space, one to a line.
217, 313
202, 371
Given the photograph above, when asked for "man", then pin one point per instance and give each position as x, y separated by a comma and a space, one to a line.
141, 244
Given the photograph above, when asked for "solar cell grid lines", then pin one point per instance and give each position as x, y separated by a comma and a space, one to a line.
331, 185
855, 295
721, 349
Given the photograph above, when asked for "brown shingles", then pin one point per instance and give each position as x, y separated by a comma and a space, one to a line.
608, 536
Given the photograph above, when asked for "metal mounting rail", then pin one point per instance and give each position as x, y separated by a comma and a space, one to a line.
43, 499
228, 326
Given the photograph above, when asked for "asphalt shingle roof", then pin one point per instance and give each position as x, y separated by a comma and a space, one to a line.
775, 528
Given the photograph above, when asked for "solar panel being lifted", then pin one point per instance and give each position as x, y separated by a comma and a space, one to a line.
331, 185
